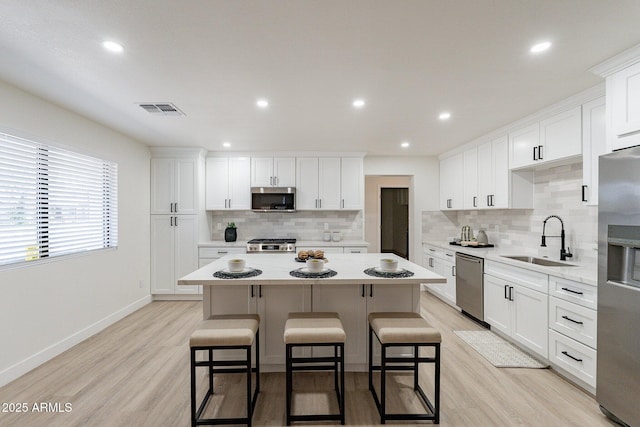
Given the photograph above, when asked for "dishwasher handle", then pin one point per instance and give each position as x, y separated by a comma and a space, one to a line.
468, 258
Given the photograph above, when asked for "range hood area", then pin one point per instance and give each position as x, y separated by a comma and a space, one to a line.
273, 199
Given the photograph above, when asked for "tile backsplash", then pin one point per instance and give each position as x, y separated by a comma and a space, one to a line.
302, 225
557, 192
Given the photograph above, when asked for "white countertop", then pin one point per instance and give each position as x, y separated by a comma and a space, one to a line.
276, 267
579, 272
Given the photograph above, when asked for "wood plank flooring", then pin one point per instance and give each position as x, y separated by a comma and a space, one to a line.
136, 373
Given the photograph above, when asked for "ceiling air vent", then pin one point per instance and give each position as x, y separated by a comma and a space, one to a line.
164, 109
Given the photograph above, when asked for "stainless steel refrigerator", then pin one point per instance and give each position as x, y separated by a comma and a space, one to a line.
618, 376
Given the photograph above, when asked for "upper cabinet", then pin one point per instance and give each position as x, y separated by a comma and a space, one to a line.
329, 183
273, 172
624, 89
452, 182
470, 178
174, 184
493, 174
228, 183
594, 144
555, 138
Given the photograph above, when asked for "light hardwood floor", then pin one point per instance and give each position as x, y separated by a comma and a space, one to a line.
136, 373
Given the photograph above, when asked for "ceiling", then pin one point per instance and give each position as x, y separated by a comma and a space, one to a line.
408, 59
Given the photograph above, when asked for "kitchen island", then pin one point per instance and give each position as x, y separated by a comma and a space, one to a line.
274, 293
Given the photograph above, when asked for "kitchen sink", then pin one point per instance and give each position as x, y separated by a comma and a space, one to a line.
538, 261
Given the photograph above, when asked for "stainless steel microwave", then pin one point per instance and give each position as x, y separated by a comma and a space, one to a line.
273, 199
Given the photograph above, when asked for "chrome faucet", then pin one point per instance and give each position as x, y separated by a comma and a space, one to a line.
564, 254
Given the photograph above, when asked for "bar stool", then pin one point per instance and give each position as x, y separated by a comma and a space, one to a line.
225, 332
402, 329
315, 330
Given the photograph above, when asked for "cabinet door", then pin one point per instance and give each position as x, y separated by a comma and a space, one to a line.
470, 179
329, 183
594, 144
306, 183
437, 266
284, 171
217, 183
529, 319
625, 95
185, 228
352, 183
496, 304
485, 175
162, 258
239, 183
274, 305
561, 135
449, 271
451, 182
162, 186
521, 146
350, 302
500, 197
186, 186
262, 172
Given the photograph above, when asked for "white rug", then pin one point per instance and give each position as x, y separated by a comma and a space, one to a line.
500, 353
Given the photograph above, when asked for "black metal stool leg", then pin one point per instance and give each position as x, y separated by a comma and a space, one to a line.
289, 382
383, 384
193, 387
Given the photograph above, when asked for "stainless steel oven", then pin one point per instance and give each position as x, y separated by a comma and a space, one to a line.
271, 245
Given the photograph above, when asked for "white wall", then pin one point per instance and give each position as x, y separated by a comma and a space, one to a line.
48, 308
423, 191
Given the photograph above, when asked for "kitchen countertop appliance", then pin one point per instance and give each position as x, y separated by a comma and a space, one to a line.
271, 245
470, 286
618, 363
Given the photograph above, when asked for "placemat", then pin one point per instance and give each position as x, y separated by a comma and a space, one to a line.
388, 274
307, 275
221, 274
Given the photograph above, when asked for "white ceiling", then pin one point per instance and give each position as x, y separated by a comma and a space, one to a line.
409, 59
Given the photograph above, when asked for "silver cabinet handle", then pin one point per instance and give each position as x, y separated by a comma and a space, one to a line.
342, 205
453, 270
535, 155
223, 252
475, 202
271, 181
540, 152
175, 209
175, 221
510, 293
170, 221
275, 181
320, 203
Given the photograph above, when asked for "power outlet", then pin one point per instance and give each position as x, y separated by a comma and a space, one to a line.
140, 283
326, 225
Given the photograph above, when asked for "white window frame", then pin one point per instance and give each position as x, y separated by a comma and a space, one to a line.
54, 202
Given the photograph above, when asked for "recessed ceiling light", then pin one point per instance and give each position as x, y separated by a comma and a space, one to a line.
540, 47
226, 144
262, 103
405, 144
445, 115
358, 103
112, 46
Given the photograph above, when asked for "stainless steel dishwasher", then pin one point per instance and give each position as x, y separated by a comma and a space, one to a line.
470, 285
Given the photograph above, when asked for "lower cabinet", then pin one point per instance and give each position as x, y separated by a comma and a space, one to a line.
173, 253
518, 312
442, 262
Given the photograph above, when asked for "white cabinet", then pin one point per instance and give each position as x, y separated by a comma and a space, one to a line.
355, 250
516, 303
594, 144
228, 183
350, 302
623, 89
442, 262
174, 185
518, 312
470, 178
273, 172
329, 183
558, 137
573, 327
352, 183
494, 178
451, 182
208, 254
174, 252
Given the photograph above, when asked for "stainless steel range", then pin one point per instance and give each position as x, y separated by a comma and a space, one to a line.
271, 245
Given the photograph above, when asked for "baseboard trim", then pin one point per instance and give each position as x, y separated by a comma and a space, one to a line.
17, 370
177, 297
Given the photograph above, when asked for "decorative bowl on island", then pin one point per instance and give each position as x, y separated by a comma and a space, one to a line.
388, 264
315, 265
236, 265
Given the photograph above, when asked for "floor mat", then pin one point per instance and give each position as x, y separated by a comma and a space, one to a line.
500, 353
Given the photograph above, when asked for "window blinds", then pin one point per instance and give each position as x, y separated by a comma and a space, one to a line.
54, 202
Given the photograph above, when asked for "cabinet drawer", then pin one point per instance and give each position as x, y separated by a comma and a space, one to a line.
448, 255
528, 278
219, 252
573, 357
576, 292
433, 251
574, 321
355, 250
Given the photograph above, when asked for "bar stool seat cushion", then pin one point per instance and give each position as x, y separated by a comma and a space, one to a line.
226, 330
314, 327
403, 328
